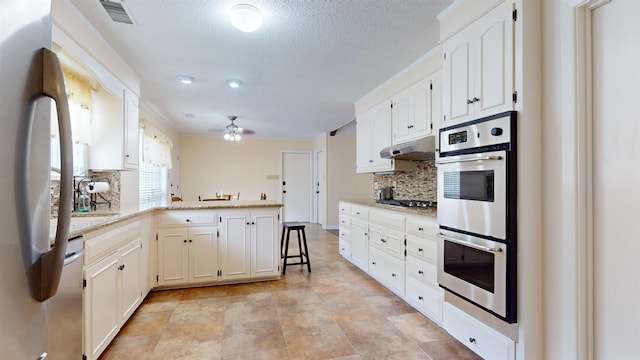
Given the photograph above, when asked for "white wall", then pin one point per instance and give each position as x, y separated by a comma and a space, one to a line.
250, 166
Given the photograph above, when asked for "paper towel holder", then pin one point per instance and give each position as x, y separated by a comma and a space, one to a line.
95, 198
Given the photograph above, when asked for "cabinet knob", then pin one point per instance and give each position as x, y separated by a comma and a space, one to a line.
472, 340
373, 263
248, 223
475, 99
420, 229
394, 275
190, 240
188, 220
420, 298
366, 234
185, 241
370, 161
127, 155
420, 272
410, 127
383, 240
420, 249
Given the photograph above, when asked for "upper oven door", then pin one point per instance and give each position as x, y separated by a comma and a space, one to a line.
472, 193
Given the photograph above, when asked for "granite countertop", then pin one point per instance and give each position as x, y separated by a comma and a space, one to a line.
433, 212
84, 223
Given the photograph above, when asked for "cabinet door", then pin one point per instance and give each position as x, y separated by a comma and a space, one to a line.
203, 254
400, 116
457, 86
420, 124
363, 142
130, 288
360, 245
173, 256
381, 136
265, 252
100, 308
493, 64
131, 130
234, 245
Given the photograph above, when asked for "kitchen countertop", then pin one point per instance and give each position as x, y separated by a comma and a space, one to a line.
84, 223
432, 212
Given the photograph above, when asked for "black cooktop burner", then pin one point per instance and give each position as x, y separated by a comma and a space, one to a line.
409, 203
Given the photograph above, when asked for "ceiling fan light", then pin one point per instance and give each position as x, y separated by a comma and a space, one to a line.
237, 137
235, 83
245, 18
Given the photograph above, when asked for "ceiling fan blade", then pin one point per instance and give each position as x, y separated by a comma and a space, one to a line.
245, 131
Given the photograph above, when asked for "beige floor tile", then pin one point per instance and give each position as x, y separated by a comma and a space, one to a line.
271, 354
448, 349
318, 342
252, 336
418, 328
132, 347
142, 323
305, 316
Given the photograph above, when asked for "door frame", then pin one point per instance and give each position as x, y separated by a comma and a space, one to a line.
320, 201
577, 198
310, 180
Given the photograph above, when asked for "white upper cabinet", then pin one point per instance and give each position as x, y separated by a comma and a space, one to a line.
114, 131
416, 108
373, 133
478, 68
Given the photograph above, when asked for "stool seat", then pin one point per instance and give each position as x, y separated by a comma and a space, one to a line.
287, 227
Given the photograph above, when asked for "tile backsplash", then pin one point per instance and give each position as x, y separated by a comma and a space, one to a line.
113, 195
414, 185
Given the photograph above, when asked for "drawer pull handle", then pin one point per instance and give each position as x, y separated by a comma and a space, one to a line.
383, 240
420, 229
420, 272
420, 298
472, 340
420, 249
357, 213
188, 220
394, 275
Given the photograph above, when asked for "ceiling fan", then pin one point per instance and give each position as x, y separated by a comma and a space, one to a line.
232, 131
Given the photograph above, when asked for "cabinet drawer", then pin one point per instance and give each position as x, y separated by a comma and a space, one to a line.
422, 226
426, 299
389, 219
187, 218
344, 208
423, 271
423, 249
344, 248
106, 241
360, 212
345, 235
477, 336
390, 241
344, 220
387, 270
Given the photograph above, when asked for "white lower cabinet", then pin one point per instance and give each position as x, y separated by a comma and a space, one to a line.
387, 269
359, 244
477, 336
187, 255
112, 283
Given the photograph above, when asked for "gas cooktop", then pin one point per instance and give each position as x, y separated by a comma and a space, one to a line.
409, 203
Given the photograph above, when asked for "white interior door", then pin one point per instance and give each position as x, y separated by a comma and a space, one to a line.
616, 176
320, 187
296, 186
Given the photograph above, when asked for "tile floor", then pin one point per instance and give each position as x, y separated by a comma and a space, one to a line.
334, 312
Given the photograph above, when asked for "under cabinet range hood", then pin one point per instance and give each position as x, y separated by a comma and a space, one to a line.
420, 149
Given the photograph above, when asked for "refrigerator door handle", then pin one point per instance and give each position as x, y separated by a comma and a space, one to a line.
45, 275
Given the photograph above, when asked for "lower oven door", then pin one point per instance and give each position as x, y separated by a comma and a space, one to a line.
475, 269
472, 193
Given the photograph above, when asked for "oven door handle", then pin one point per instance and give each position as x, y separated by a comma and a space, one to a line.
471, 245
482, 158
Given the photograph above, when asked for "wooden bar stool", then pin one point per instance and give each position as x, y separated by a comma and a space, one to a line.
299, 228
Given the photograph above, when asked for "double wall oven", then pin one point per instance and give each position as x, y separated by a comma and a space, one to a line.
477, 247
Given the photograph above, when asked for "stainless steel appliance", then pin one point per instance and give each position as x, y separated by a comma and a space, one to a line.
65, 308
477, 213
30, 269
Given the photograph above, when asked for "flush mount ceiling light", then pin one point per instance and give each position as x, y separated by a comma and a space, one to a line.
245, 17
234, 83
186, 79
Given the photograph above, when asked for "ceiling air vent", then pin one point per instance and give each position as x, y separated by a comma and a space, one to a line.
117, 11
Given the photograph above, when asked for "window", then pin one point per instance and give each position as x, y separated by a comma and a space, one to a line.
154, 165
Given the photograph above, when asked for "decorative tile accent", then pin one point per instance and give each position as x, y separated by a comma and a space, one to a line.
113, 195
416, 185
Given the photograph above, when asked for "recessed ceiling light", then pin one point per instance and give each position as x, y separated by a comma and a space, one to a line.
235, 83
186, 79
245, 17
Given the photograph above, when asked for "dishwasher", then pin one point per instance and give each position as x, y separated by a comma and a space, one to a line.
65, 307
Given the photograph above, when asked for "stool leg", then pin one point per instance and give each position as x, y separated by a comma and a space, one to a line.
284, 228
306, 250
300, 247
286, 253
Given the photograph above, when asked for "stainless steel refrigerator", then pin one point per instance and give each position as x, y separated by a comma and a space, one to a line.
30, 264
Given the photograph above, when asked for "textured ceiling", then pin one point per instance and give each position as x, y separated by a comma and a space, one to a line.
301, 71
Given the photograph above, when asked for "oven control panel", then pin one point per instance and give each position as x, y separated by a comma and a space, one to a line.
490, 133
